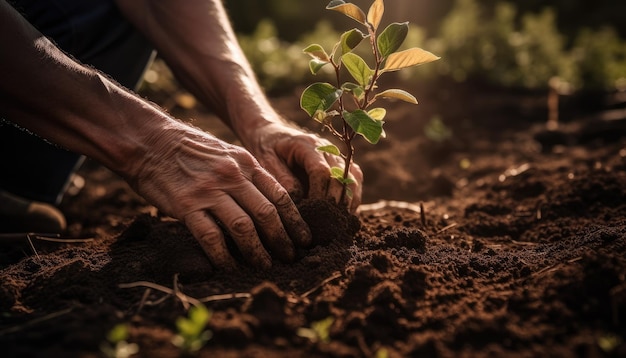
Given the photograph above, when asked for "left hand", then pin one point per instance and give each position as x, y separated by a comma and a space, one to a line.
284, 151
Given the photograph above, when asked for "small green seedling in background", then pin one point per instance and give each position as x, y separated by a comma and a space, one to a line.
352, 101
436, 130
116, 345
319, 330
382, 353
192, 334
609, 342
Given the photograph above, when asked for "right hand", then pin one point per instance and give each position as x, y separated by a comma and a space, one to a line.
211, 185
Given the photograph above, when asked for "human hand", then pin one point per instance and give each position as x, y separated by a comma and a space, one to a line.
284, 151
211, 186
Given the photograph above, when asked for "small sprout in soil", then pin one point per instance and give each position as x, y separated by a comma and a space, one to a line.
437, 131
192, 334
116, 345
382, 353
319, 330
609, 342
346, 109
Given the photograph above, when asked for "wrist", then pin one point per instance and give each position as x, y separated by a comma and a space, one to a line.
248, 112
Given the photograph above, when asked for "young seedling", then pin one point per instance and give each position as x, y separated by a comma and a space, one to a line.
352, 102
319, 330
116, 345
192, 334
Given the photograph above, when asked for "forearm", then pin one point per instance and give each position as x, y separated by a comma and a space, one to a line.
43, 90
197, 42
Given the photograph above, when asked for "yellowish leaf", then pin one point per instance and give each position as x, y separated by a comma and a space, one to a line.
349, 10
317, 51
377, 113
407, 58
375, 13
398, 94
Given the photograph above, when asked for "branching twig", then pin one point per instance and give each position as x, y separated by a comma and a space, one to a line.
447, 228
181, 296
185, 299
224, 297
144, 299
334, 276
30, 242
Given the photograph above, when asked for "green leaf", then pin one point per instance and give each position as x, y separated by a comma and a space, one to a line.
357, 67
186, 327
390, 40
337, 173
397, 94
364, 125
349, 86
407, 58
357, 91
330, 149
316, 65
348, 9
350, 40
437, 131
349, 191
375, 13
317, 51
199, 314
377, 114
322, 328
118, 333
319, 97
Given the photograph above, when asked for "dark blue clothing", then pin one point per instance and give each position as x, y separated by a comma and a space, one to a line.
95, 33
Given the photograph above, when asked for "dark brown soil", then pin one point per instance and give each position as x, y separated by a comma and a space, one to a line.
520, 250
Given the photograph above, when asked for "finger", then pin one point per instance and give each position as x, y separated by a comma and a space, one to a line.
286, 178
267, 220
335, 187
314, 165
241, 228
211, 239
334, 190
319, 182
296, 228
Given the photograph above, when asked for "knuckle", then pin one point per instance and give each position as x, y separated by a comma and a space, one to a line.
283, 198
242, 227
211, 239
228, 168
266, 212
244, 157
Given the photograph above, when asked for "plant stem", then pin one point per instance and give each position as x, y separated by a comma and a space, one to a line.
366, 102
346, 136
349, 154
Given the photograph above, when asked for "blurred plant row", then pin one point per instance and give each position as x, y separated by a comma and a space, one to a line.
494, 43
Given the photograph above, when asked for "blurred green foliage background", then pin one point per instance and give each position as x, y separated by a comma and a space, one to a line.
519, 44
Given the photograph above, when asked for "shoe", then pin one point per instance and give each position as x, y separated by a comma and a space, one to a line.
20, 215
